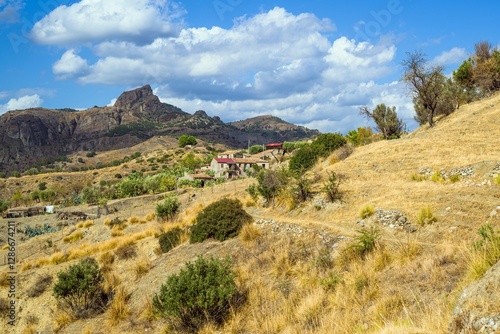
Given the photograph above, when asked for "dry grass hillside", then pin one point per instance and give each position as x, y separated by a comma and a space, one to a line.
296, 265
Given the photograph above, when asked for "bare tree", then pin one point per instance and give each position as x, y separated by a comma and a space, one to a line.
426, 85
386, 120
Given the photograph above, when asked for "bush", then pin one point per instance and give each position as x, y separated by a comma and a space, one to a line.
80, 288
185, 140
170, 239
168, 209
332, 188
4, 205
254, 149
200, 293
303, 159
326, 143
90, 154
366, 241
220, 220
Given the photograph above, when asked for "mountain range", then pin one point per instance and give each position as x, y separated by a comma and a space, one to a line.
30, 136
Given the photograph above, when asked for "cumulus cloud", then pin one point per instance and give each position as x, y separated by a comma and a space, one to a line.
453, 56
70, 65
272, 63
90, 21
24, 102
9, 10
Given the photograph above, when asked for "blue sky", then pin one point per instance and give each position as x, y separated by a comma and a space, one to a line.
312, 62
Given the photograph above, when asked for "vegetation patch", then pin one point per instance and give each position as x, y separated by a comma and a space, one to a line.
169, 209
199, 294
79, 289
426, 217
220, 220
170, 239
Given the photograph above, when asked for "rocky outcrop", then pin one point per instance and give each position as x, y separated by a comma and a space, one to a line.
478, 308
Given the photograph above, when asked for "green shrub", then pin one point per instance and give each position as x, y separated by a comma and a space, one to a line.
168, 209
426, 217
185, 140
4, 205
326, 143
497, 179
366, 241
303, 159
454, 178
170, 239
90, 154
254, 149
487, 251
80, 288
332, 188
220, 220
199, 294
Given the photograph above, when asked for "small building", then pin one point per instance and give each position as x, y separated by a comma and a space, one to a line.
235, 167
274, 146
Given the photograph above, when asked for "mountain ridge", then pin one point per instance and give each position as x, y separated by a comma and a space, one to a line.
30, 136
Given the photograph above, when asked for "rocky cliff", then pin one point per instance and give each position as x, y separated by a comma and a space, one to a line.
28, 137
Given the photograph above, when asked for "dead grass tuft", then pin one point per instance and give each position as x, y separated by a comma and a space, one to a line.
73, 237
118, 310
141, 267
249, 232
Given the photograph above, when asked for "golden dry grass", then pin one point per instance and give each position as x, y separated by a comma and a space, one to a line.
119, 309
75, 236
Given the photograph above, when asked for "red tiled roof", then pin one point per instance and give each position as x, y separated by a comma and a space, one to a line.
274, 145
224, 160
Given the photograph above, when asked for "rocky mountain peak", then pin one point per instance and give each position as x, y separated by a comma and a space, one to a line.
132, 98
201, 113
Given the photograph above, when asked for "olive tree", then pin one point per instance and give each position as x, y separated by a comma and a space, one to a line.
386, 120
427, 87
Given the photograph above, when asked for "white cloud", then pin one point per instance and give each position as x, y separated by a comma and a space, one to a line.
453, 56
70, 65
273, 63
9, 10
24, 102
90, 21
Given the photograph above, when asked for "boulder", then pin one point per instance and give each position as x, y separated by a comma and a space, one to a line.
478, 307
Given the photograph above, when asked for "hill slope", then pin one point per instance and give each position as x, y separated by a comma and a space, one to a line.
297, 271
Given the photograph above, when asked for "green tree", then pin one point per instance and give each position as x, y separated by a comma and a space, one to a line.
185, 140
303, 159
426, 85
168, 209
326, 143
199, 294
271, 183
17, 198
80, 288
254, 149
191, 161
361, 136
386, 120
220, 220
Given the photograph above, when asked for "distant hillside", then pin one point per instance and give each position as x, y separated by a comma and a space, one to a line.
269, 126
38, 135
